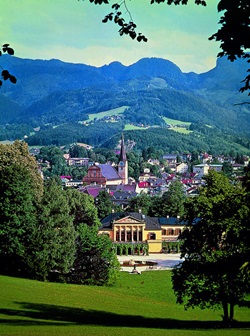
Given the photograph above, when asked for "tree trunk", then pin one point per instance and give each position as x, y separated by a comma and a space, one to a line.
231, 312
225, 312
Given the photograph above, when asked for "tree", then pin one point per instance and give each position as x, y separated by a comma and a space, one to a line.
55, 157
77, 151
96, 262
104, 204
227, 169
82, 208
172, 202
142, 202
215, 246
246, 178
21, 189
233, 34
17, 217
53, 242
18, 153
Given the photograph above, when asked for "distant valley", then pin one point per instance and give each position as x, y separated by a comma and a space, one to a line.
61, 103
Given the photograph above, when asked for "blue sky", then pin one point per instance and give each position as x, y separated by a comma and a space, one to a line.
72, 31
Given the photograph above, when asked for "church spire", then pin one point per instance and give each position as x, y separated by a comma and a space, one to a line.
123, 163
123, 156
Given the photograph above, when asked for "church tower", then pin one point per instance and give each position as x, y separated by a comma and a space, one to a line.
123, 163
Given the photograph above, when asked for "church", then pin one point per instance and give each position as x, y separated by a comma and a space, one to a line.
106, 174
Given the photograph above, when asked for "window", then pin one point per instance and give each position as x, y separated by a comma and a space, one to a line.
151, 235
117, 238
177, 232
170, 232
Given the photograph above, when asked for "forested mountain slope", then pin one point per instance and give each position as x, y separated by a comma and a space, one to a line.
52, 93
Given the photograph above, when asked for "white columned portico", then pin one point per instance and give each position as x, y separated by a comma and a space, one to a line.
120, 234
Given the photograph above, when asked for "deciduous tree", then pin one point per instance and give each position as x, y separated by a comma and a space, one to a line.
141, 203
104, 204
173, 200
215, 246
82, 208
96, 262
17, 217
53, 242
18, 153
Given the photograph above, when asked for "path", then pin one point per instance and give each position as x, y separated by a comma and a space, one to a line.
164, 261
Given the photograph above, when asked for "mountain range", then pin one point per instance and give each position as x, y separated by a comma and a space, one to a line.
52, 93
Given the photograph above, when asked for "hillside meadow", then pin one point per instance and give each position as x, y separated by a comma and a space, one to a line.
137, 305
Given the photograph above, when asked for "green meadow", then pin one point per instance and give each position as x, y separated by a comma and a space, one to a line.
137, 305
108, 113
175, 122
130, 127
182, 130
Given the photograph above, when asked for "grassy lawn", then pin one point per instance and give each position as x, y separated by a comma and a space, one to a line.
138, 305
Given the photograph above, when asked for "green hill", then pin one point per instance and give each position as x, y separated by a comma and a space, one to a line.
137, 305
60, 98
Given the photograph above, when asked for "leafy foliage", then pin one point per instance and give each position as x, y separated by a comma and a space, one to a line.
17, 216
21, 190
233, 35
53, 242
104, 204
82, 208
96, 262
18, 153
172, 202
5, 73
141, 203
39, 226
215, 246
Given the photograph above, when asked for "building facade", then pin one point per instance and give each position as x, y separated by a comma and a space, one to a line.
135, 233
106, 174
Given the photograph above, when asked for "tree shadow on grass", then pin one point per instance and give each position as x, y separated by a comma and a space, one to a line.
43, 314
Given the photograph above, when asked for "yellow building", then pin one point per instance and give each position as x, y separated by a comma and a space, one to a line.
135, 233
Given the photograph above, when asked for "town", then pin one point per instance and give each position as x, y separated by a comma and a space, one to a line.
134, 232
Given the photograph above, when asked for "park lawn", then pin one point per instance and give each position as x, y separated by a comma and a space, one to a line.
137, 305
